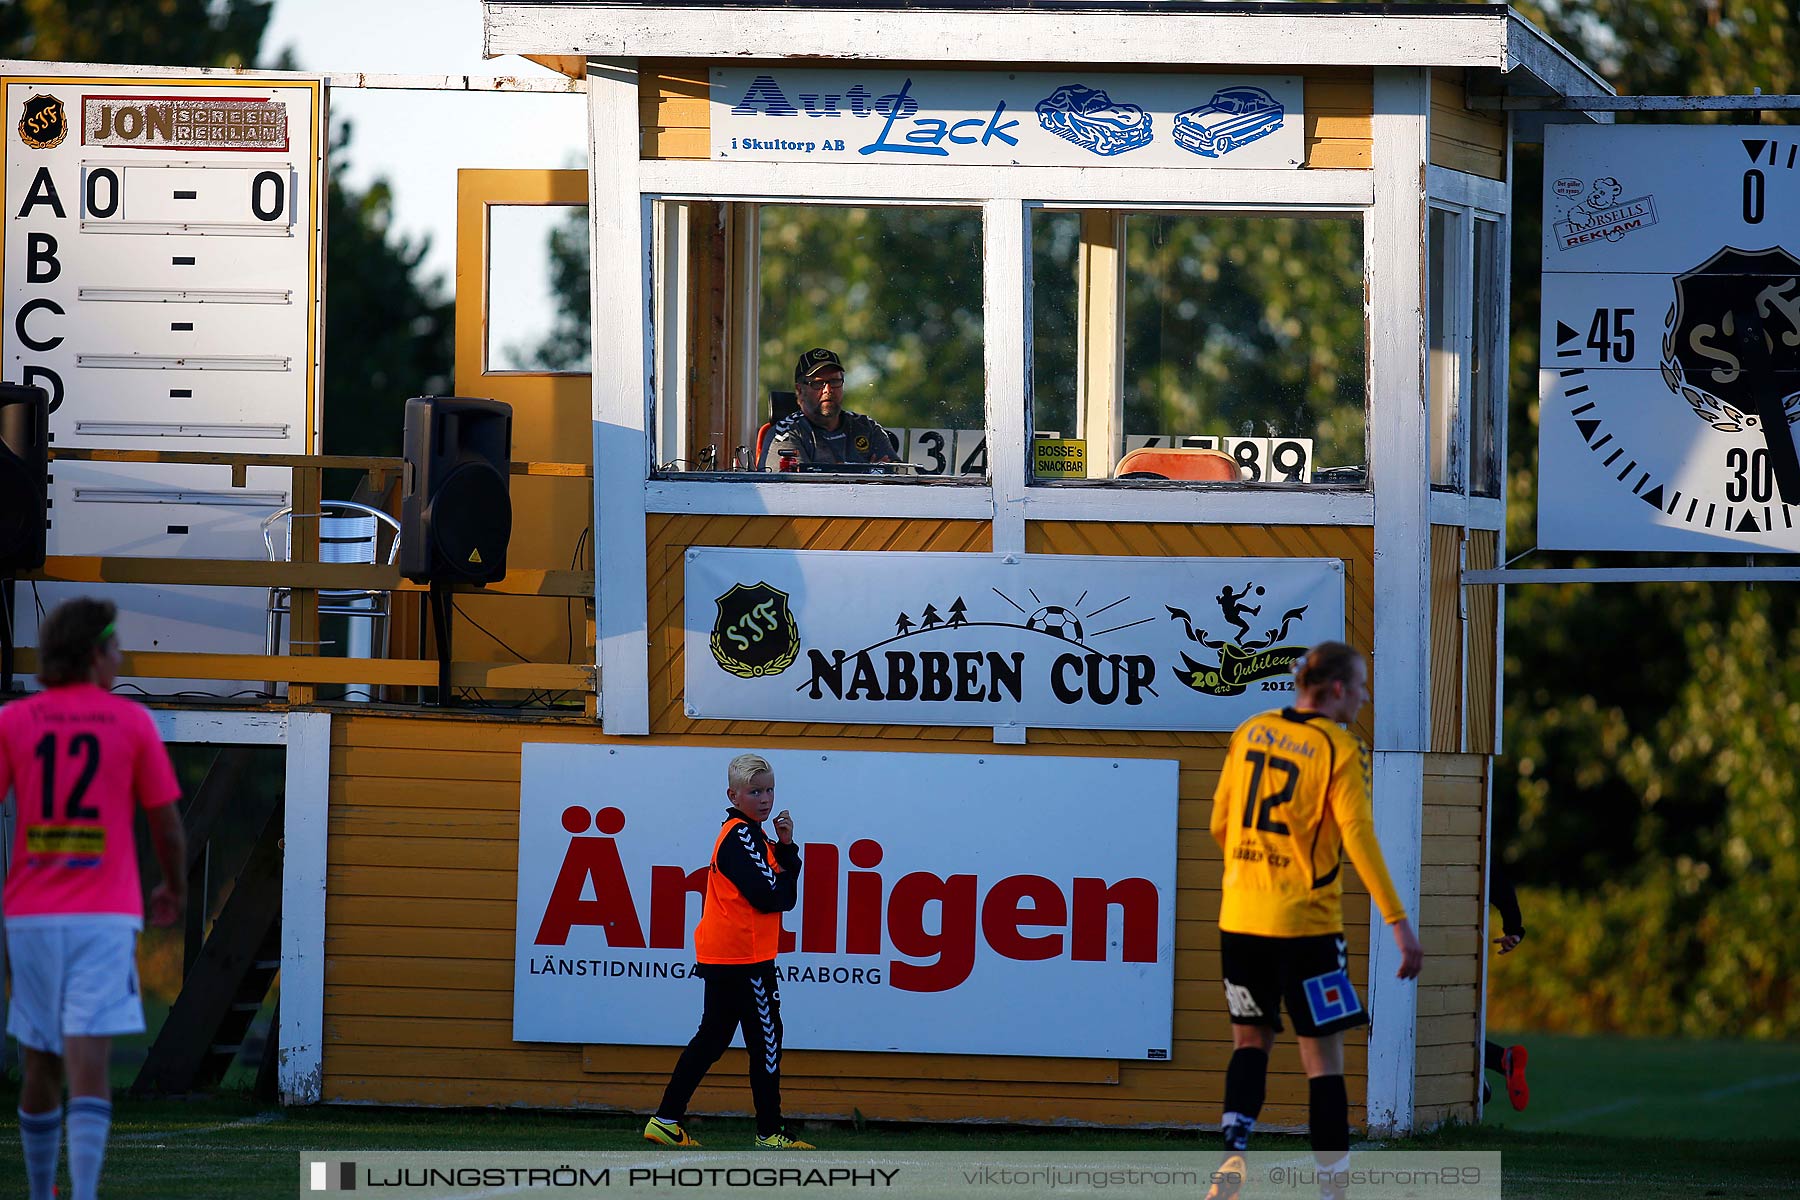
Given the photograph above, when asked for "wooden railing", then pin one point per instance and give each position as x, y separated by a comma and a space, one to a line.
302, 668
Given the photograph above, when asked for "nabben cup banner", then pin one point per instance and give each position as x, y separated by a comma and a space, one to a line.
1053, 641
942, 899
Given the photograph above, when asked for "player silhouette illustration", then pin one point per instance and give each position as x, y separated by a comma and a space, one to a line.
1229, 604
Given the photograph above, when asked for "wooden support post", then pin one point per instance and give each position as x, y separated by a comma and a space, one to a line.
221, 788
303, 622
268, 1082
1101, 282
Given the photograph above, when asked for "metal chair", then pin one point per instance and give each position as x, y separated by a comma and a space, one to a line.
348, 533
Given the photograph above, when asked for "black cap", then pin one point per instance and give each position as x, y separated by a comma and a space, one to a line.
814, 361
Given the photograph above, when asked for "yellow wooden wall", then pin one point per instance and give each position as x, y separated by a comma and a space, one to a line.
673, 116
672, 113
1463, 139
419, 958
1339, 102
1464, 642
1446, 1069
1484, 643
1446, 638
421, 885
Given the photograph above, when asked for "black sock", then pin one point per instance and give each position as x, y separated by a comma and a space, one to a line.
1329, 1118
1245, 1080
1493, 1057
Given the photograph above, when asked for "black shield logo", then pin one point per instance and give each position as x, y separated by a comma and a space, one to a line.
754, 633
43, 124
1703, 357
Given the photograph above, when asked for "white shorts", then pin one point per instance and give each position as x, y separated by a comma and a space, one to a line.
72, 980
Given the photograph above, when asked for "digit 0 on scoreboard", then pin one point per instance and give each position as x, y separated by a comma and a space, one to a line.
231, 199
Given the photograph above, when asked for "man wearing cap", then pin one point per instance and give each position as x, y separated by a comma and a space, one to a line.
824, 432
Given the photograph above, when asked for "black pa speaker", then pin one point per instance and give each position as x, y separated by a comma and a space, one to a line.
24, 477
456, 510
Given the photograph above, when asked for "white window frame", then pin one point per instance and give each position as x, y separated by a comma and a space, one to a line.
1004, 196
1100, 399
669, 420
1472, 198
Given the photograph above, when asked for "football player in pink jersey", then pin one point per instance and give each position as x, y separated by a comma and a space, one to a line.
80, 762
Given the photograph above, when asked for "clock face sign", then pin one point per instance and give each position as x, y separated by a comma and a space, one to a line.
1669, 367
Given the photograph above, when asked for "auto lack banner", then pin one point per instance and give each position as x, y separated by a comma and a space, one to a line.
1074, 118
1052, 641
942, 899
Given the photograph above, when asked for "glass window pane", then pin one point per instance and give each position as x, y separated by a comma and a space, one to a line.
1487, 365
1055, 312
1243, 335
538, 317
1442, 337
895, 293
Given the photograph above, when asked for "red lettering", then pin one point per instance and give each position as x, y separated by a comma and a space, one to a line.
1026, 918
1137, 901
1002, 917
952, 945
862, 903
670, 888
594, 860
819, 890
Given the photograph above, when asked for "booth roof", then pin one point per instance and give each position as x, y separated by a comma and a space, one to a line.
1485, 37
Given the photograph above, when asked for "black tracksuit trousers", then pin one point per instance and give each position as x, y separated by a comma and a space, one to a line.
746, 996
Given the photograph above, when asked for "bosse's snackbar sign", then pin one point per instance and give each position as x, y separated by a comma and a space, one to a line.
1053, 641
937, 891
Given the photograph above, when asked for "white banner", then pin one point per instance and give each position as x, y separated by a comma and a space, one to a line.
1670, 353
949, 904
1073, 118
1054, 641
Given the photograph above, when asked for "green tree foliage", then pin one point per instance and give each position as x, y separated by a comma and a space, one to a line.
1687, 931
177, 33
1246, 327
1645, 792
895, 291
567, 347
388, 330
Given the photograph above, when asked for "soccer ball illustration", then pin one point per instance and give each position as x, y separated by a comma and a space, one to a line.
1056, 621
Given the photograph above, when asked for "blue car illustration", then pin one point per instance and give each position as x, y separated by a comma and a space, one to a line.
1234, 116
1094, 121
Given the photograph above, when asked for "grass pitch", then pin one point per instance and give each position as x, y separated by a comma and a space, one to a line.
1608, 1117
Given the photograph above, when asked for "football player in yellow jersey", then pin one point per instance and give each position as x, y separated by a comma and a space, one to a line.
1293, 793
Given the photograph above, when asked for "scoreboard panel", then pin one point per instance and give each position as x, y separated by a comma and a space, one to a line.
162, 279
1669, 357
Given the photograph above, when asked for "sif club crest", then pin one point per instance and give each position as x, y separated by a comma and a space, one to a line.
43, 125
754, 633
1712, 353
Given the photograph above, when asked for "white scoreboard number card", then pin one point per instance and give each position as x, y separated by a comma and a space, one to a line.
932, 451
1669, 362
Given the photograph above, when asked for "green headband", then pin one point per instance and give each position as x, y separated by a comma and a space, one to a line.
105, 633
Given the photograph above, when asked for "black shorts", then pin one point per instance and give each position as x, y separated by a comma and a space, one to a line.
1309, 974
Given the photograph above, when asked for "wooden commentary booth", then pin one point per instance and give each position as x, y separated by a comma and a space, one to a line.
996, 674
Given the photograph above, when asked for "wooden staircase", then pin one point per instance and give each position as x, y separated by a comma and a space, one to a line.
228, 975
